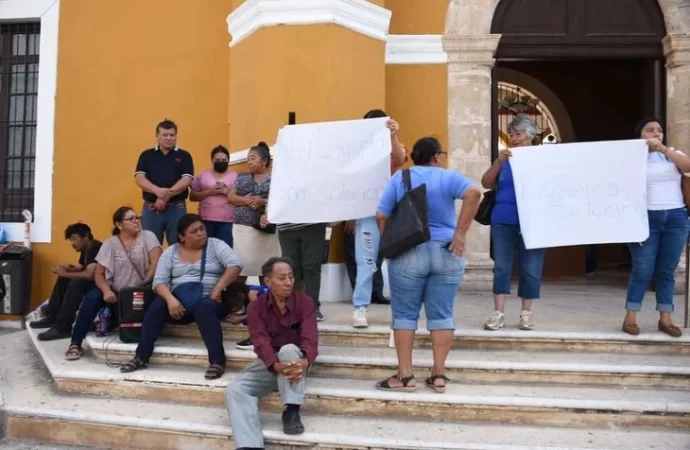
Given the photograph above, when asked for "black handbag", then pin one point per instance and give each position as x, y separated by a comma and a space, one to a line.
408, 226
486, 207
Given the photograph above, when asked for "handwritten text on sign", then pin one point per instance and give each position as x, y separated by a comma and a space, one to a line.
328, 172
585, 193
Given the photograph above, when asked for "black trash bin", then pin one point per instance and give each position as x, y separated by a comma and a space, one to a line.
15, 280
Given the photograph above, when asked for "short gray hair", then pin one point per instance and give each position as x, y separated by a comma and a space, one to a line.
524, 123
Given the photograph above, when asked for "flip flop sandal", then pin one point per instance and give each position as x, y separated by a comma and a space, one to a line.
430, 383
385, 385
134, 364
74, 352
214, 372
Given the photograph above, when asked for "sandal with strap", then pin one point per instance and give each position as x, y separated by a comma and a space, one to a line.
74, 352
214, 372
134, 364
431, 383
385, 385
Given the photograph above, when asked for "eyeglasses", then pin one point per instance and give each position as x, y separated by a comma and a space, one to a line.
132, 219
441, 153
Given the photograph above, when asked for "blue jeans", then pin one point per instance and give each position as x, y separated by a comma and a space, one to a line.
165, 222
92, 303
367, 240
658, 257
219, 230
428, 274
505, 239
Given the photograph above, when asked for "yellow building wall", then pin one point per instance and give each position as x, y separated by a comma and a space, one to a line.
322, 72
418, 16
417, 97
123, 66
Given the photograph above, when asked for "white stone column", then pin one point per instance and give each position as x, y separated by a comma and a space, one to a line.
470, 60
677, 52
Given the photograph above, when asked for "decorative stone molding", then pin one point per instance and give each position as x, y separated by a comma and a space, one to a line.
415, 49
677, 50
472, 50
48, 13
357, 15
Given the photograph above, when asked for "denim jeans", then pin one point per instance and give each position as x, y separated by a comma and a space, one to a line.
92, 303
658, 257
505, 239
219, 230
367, 240
165, 222
429, 274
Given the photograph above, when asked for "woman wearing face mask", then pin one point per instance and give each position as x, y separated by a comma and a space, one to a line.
210, 189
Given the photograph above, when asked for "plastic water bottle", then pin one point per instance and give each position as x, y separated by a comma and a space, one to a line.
103, 324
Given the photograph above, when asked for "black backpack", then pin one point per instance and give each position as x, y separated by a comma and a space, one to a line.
132, 304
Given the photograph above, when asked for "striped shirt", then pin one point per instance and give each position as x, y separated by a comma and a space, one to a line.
173, 272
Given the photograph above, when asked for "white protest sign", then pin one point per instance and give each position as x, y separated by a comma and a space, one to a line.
329, 172
585, 193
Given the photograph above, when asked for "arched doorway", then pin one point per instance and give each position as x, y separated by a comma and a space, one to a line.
471, 42
604, 61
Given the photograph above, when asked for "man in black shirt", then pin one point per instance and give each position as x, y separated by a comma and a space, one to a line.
164, 174
72, 283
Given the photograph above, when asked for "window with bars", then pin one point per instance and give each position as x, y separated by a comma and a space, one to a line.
19, 53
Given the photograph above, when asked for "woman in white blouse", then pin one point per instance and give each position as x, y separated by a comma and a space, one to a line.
659, 255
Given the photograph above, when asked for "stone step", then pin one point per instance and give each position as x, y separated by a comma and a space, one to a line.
506, 339
465, 366
566, 406
33, 410
130, 424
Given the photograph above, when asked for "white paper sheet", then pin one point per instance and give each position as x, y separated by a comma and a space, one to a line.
584, 193
329, 172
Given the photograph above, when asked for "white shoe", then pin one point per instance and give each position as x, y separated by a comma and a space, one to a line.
359, 318
495, 321
526, 320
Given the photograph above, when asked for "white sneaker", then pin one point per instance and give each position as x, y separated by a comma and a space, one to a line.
526, 320
495, 321
359, 318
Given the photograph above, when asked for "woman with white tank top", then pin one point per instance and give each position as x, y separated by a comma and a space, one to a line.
659, 255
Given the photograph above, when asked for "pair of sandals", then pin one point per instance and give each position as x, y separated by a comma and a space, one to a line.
75, 352
430, 382
214, 371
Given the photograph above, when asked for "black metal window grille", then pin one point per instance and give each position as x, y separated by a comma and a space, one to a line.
513, 100
19, 54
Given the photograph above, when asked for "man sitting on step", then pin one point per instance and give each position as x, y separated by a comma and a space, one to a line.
282, 327
73, 282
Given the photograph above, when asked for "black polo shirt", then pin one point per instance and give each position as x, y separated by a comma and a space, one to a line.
165, 170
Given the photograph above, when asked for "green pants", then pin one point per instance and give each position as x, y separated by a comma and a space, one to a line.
305, 247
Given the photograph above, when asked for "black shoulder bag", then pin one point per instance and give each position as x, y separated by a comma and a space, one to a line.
408, 226
486, 207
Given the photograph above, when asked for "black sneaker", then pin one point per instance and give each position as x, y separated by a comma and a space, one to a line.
42, 323
53, 334
319, 316
245, 344
292, 424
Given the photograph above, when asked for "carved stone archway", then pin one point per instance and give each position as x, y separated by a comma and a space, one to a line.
471, 49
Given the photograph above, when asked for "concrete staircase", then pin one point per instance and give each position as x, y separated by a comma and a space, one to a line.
510, 390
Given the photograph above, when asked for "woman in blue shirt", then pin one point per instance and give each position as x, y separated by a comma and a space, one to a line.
430, 273
506, 236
